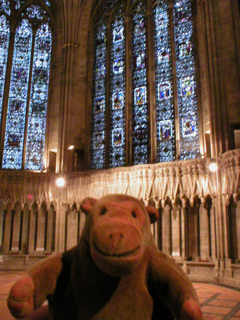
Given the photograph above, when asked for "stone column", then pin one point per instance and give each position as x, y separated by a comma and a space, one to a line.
196, 203
213, 11
176, 228
41, 229
60, 220
208, 205
72, 227
71, 17
227, 212
25, 229
2, 220
185, 228
7, 228
32, 228
16, 228
50, 230
166, 226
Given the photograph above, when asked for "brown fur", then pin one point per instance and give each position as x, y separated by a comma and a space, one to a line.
115, 272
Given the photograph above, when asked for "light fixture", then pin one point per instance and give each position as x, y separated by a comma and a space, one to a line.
213, 166
60, 182
71, 147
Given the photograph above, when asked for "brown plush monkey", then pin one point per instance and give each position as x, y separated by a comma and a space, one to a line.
116, 272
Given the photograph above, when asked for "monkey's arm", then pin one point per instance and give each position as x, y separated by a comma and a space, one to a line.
173, 288
32, 289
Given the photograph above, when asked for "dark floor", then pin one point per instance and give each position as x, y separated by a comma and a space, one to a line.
218, 302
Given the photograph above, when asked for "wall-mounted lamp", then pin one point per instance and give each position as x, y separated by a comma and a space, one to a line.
71, 147
60, 182
213, 166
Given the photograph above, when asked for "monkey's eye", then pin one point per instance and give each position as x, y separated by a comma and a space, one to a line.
134, 214
103, 211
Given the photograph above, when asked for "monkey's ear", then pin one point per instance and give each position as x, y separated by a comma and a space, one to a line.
153, 213
87, 204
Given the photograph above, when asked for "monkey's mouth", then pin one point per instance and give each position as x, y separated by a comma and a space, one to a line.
130, 253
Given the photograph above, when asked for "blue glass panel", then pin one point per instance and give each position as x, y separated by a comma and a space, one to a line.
98, 123
117, 93
19, 3
15, 126
5, 6
140, 128
48, 3
4, 42
164, 87
38, 99
186, 80
36, 12
108, 5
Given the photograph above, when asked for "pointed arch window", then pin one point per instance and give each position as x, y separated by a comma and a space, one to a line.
24, 81
140, 124
117, 92
147, 110
165, 115
186, 79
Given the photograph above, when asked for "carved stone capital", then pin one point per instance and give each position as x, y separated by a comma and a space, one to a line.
236, 196
227, 200
185, 201
207, 202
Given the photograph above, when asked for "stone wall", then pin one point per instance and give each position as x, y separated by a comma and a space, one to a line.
199, 212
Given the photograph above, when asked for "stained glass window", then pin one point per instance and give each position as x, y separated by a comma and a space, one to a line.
98, 144
19, 3
5, 6
165, 118
108, 5
48, 3
140, 128
38, 98
36, 12
4, 42
24, 137
186, 80
117, 92
138, 70
15, 127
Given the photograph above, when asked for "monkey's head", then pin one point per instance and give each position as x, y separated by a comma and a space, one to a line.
117, 230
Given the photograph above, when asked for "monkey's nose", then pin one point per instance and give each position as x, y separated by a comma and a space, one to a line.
115, 238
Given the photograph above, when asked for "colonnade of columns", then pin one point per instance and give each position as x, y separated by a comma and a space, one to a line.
199, 210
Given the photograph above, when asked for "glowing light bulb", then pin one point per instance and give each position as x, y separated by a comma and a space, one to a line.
213, 167
60, 182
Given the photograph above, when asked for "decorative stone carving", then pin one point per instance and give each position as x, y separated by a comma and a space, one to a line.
185, 192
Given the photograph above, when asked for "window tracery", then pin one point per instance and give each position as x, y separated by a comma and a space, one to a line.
173, 119
98, 144
4, 43
27, 95
186, 80
38, 98
117, 92
5, 6
15, 124
140, 127
165, 116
